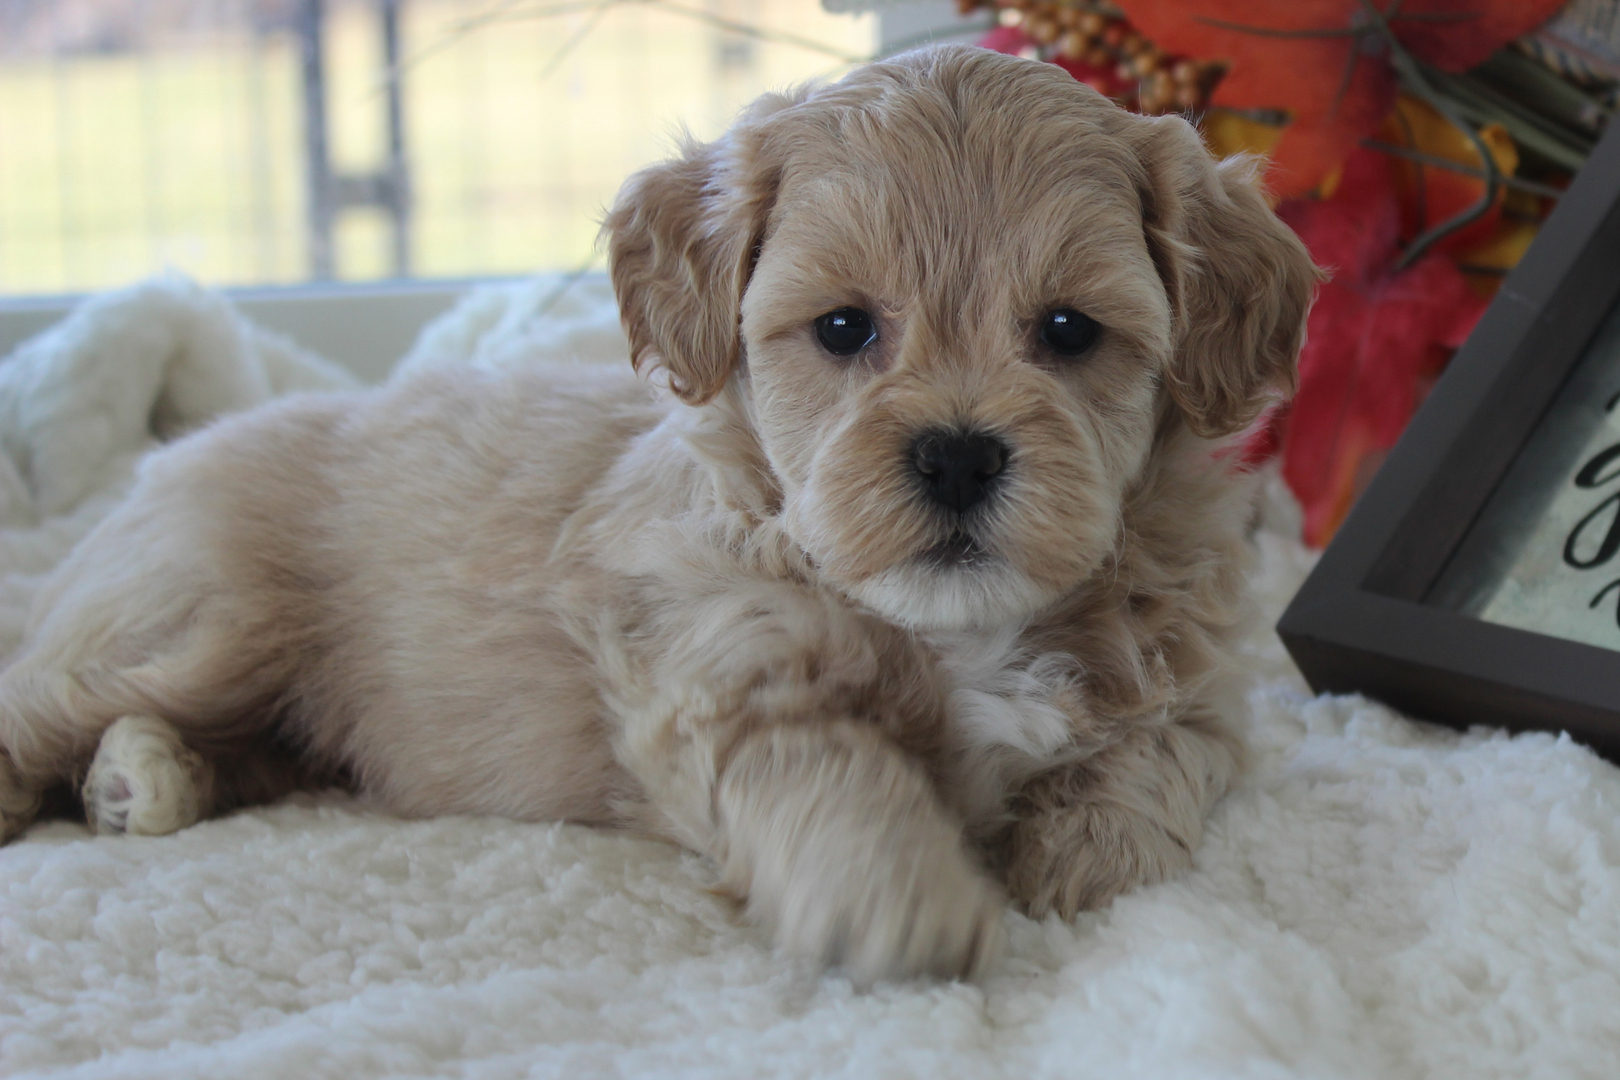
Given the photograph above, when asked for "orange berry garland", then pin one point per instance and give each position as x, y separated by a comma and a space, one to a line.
1097, 44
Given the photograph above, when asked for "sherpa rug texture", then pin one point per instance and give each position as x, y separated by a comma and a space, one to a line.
1377, 898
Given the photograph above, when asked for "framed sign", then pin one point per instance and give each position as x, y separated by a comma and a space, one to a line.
1477, 580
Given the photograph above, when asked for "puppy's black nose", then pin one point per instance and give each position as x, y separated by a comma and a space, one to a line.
958, 468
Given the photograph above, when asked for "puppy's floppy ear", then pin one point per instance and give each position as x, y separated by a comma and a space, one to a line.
1240, 282
684, 237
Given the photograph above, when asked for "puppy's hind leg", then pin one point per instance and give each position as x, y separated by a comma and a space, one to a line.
129, 720
145, 780
142, 655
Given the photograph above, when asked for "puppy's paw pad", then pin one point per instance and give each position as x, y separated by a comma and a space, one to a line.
19, 802
145, 781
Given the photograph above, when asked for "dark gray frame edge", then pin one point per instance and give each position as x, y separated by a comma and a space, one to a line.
1358, 623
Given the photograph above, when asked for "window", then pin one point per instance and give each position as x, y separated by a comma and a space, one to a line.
139, 134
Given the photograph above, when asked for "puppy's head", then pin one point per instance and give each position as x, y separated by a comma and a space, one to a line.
960, 292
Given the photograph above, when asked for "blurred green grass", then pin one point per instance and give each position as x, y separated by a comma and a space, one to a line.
115, 166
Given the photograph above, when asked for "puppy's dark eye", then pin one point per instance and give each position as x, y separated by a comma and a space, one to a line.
1068, 332
845, 332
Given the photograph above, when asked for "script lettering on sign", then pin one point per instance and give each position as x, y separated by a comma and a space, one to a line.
1551, 534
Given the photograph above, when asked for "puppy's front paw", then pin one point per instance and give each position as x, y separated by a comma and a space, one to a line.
1079, 858
145, 781
913, 907
881, 890
842, 847
19, 803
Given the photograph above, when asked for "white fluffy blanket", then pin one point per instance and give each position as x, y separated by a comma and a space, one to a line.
1377, 898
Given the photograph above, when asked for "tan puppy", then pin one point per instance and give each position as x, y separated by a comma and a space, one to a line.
915, 586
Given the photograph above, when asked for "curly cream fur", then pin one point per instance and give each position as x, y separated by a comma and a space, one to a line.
712, 614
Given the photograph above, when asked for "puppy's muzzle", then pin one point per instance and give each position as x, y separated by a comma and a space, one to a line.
958, 469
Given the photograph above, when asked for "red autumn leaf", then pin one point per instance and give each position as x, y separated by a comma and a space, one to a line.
1376, 339
1305, 75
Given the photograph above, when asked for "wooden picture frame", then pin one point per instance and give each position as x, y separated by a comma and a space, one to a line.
1367, 619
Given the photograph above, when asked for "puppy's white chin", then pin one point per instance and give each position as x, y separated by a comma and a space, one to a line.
932, 597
